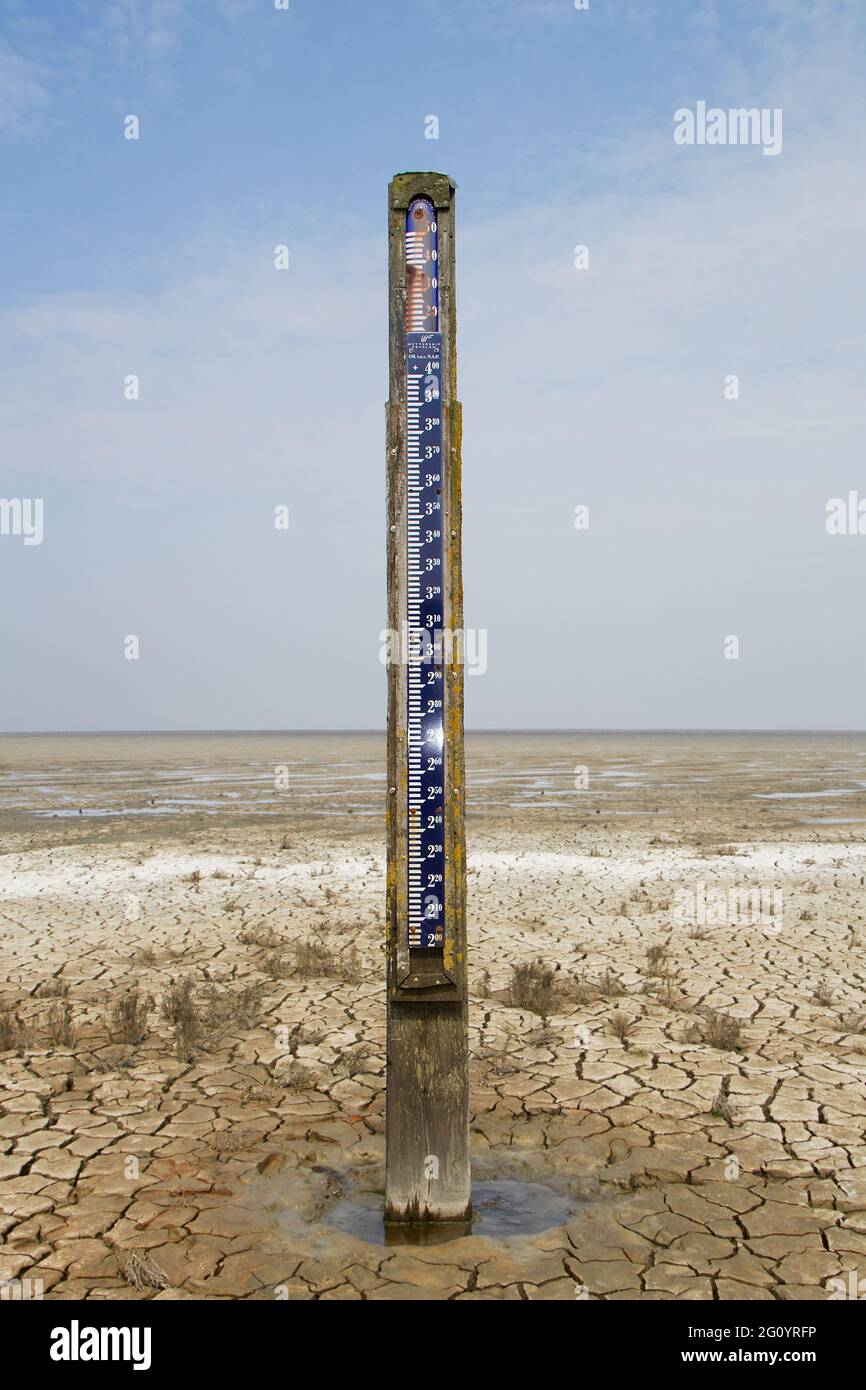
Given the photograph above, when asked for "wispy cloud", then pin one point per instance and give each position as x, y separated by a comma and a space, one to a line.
24, 96
148, 30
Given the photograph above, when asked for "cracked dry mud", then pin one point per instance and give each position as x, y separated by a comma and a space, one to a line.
699, 1172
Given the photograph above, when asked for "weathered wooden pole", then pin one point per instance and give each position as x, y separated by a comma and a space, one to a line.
427, 1107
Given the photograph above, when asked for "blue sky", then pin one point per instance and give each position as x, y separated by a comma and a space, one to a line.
602, 387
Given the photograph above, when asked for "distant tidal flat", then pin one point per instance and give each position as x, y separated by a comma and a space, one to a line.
773, 778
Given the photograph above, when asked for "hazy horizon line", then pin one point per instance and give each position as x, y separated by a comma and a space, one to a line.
488, 729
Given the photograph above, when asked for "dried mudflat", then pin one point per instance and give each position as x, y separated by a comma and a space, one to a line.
197, 1145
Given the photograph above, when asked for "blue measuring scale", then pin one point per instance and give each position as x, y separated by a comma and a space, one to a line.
425, 552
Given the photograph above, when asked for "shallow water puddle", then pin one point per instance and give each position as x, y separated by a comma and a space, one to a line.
501, 1210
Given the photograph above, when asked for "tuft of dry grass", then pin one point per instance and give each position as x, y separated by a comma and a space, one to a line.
61, 1031
129, 1017
141, 1271
247, 1005
180, 1010
232, 1141
353, 1059
664, 987
721, 1030
655, 955
264, 1093
277, 966
545, 1036
721, 1106
853, 1022
532, 987
579, 990
823, 994
52, 989
312, 958
622, 1026
113, 1058
13, 1034
258, 936
610, 985
297, 1077
499, 1059
351, 965
232, 1008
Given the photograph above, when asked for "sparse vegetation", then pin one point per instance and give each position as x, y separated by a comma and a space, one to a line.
277, 966
664, 986
853, 1022
351, 965
721, 1030
532, 987
721, 1106
610, 985
499, 1059
267, 1093
258, 936
579, 990
247, 1005
53, 989
823, 994
180, 1010
312, 957
545, 1036
622, 1026
232, 1008
352, 1060
654, 957
141, 1271
13, 1034
61, 1031
129, 1017
114, 1058
231, 1141
297, 1077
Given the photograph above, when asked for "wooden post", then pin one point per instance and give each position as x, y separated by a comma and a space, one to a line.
427, 1105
